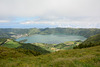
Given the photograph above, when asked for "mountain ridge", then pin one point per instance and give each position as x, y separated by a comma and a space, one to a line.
15, 33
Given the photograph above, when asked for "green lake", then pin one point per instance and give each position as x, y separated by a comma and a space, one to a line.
51, 39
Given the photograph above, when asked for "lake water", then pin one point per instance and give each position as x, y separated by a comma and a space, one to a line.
51, 39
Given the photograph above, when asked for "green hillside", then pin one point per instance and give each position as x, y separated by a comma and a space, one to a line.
6, 53
95, 38
29, 46
14, 44
91, 41
11, 44
87, 57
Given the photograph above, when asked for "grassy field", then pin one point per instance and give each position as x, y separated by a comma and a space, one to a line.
86, 57
12, 44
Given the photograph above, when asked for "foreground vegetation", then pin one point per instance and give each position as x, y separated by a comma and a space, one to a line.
87, 57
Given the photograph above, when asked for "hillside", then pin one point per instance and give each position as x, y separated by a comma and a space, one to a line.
5, 42
95, 38
29, 46
87, 57
91, 41
6, 53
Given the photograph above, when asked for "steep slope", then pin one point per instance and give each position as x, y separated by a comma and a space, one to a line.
91, 41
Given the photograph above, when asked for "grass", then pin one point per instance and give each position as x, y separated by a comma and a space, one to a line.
12, 44
87, 57
9, 53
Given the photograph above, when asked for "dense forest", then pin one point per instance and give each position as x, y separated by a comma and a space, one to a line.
9, 32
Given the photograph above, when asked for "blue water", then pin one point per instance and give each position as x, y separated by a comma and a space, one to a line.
51, 39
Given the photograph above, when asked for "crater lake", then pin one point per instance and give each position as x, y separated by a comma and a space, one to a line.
51, 39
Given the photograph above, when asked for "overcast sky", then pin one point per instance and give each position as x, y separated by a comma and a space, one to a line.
49, 13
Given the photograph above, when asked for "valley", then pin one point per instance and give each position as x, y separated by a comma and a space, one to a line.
49, 33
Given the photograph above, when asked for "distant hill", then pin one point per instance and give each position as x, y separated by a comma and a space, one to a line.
16, 33
91, 41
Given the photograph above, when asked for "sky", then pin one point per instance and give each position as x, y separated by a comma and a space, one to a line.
49, 13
